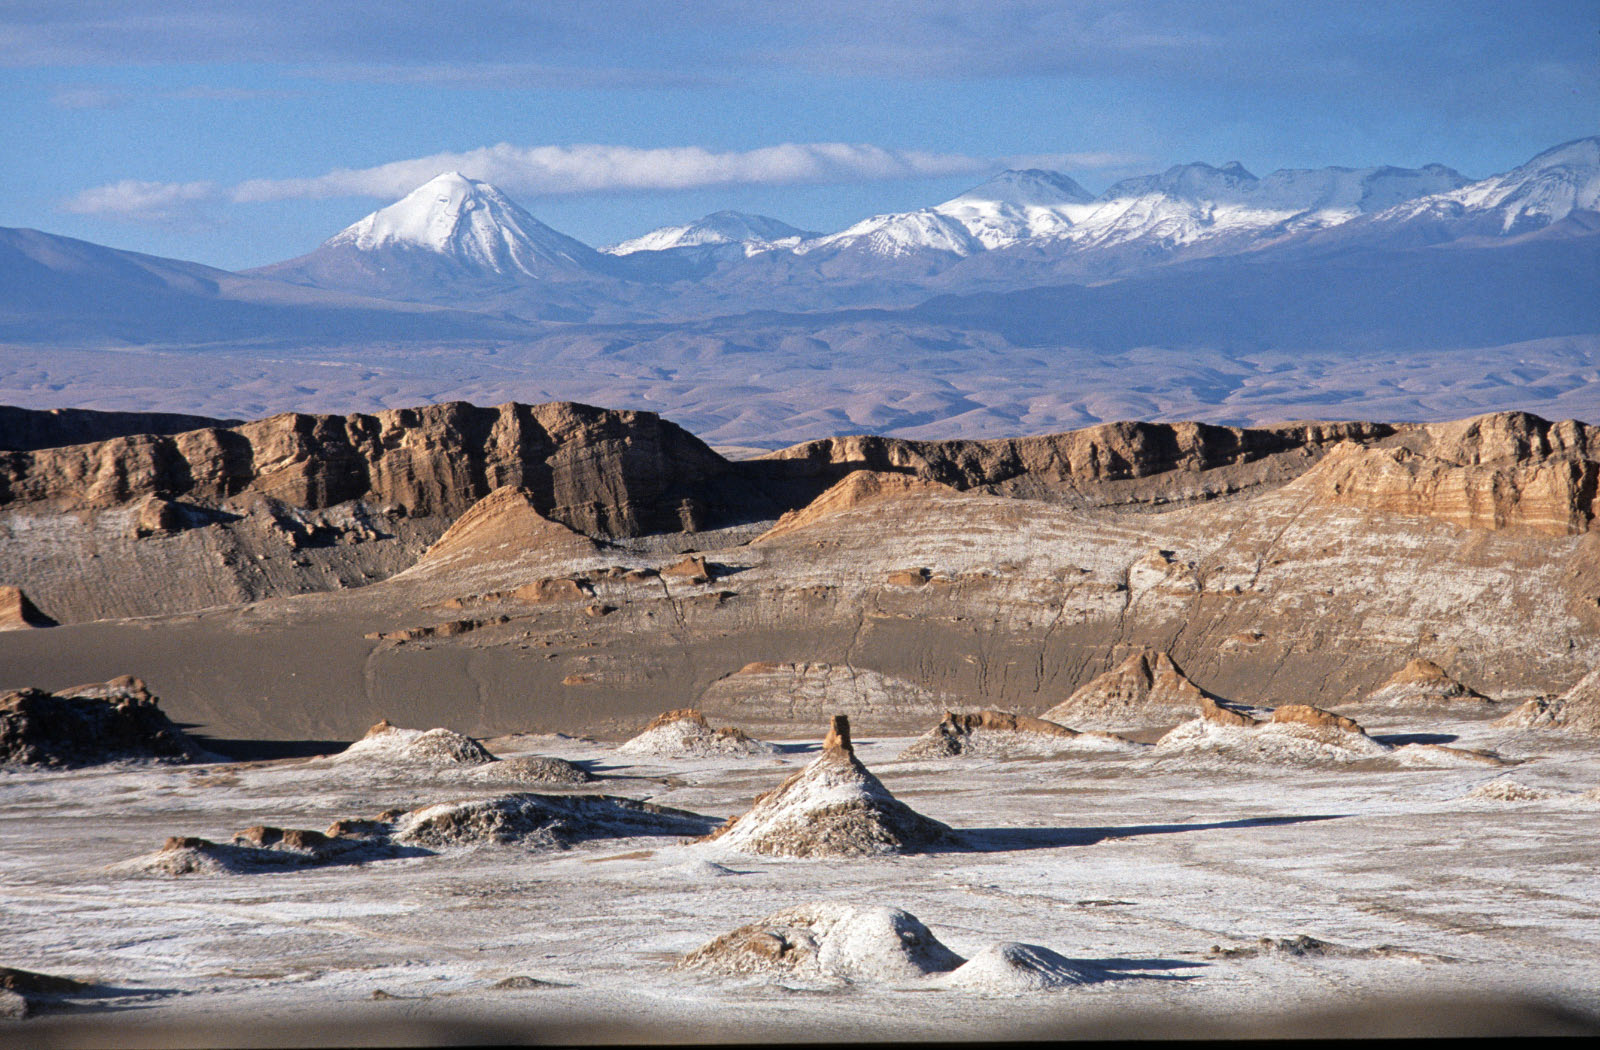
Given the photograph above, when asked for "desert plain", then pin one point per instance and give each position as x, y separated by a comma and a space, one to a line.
551, 722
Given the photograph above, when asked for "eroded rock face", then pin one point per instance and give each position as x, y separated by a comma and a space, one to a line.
1146, 688
1508, 470
834, 807
601, 472
1101, 465
119, 721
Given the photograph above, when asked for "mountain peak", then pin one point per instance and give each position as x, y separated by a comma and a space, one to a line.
470, 222
756, 232
1028, 187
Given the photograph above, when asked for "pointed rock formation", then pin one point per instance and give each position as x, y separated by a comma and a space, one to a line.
834, 807
1420, 683
827, 941
858, 488
1145, 689
1001, 733
501, 525
17, 613
686, 733
1577, 710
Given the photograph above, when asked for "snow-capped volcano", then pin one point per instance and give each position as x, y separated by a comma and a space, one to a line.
755, 233
470, 223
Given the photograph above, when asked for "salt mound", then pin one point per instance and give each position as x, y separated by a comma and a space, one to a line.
1420, 683
1016, 969
687, 733
440, 747
856, 489
503, 524
1577, 710
1146, 689
833, 808
999, 734
90, 725
543, 821
1437, 756
534, 769
1286, 741
1506, 791
266, 848
828, 941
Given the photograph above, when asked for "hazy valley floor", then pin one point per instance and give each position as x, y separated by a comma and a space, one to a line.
909, 380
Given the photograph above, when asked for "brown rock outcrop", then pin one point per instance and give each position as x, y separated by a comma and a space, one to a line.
1214, 712
17, 612
601, 472
1508, 470
89, 725
1000, 734
1305, 714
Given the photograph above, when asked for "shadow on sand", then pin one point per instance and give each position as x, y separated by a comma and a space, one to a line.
1006, 840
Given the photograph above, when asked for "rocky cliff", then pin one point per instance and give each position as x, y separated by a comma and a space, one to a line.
602, 472
1107, 465
1508, 470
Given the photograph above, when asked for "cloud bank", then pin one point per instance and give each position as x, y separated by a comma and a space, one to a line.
564, 170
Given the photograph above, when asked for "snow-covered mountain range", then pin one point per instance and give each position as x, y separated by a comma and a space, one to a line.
461, 242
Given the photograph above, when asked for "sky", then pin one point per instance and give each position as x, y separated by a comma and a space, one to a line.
238, 132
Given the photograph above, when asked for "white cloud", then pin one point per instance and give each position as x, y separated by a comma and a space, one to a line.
556, 170
161, 202
562, 170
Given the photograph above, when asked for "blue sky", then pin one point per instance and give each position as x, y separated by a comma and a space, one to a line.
240, 132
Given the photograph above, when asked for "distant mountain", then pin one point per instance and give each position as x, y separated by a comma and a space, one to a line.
451, 240
67, 292
1011, 207
1558, 185
751, 233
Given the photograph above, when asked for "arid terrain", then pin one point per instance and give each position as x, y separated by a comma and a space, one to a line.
1144, 727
